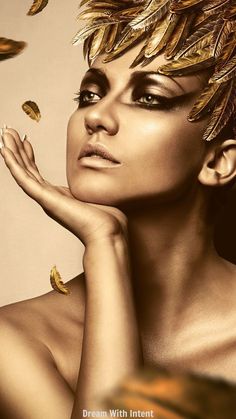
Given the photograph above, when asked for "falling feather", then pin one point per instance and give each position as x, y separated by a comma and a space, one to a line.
226, 73
198, 41
187, 65
206, 101
57, 283
32, 110
37, 6
221, 114
155, 10
10, 48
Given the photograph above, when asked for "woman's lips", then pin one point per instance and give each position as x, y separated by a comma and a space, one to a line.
97, 151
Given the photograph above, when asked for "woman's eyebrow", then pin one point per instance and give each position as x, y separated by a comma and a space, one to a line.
96, 75
137, 77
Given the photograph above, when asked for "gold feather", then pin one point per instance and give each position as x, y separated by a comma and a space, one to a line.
10, 48
57, 283
215, 6
83, 2
158, 38
179, 6
221, 33
98, 43
37, 6
94, 14
88, 30
154, 11
226, 52
198, 41
112, 36
106, 4
179, 35
131, 38
230, 12
187, 65
226, 73
200, 20
206, 101
221, 114
32, 110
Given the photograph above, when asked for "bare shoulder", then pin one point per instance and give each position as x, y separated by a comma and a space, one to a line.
40, 343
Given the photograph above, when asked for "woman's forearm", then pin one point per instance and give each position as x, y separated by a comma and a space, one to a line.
111, 346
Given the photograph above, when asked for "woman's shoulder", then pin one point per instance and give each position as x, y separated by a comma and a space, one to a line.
49, 326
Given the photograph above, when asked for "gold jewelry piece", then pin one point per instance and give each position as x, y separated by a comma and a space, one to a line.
193, 35
57, 283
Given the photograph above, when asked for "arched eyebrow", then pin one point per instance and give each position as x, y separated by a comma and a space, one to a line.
136, 78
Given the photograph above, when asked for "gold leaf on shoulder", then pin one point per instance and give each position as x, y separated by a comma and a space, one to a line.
57, 283
37, 6
10, 48
32, 110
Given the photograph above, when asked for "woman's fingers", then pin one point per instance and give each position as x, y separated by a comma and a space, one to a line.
26, 159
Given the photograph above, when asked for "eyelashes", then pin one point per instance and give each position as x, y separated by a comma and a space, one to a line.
143, 100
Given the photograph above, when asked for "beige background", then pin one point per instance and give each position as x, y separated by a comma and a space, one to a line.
49, 72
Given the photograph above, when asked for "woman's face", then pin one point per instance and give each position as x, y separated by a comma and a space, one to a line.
140, 117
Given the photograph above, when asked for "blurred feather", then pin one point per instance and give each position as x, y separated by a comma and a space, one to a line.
154, 11
37, 6
198, 41
221, 114
226, 73
10, 48
187, 65
32, 110
205, 101
179, 35
175, 395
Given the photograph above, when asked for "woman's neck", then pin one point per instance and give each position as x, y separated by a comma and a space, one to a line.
172, 253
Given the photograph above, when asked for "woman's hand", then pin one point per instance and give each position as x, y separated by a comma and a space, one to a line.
89, 222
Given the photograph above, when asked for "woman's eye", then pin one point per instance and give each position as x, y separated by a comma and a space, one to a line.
85, 97
151, 101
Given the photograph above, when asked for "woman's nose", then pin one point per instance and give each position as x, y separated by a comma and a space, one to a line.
101, 117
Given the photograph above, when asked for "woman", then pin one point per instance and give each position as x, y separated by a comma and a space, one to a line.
141, 184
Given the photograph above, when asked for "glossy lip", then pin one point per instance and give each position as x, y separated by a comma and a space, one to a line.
90, 151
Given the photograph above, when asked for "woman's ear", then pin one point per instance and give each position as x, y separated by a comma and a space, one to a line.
219, 166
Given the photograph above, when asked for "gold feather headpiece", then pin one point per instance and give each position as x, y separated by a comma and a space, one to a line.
193, 35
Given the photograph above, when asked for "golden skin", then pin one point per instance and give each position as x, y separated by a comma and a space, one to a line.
158, 147
184, 293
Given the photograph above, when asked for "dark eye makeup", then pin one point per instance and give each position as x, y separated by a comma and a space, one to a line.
141, 98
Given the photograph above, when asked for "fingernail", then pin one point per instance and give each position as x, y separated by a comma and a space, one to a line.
24, 138
5, 126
